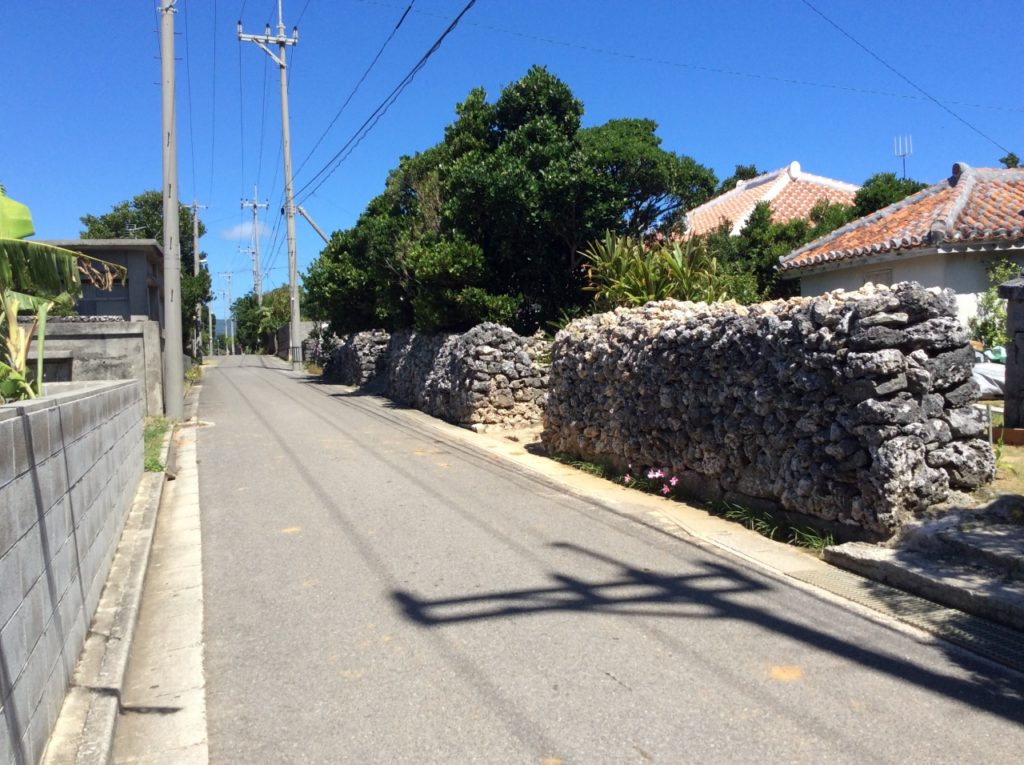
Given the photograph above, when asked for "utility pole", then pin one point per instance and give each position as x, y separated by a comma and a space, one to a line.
197, 328
254, 256
174, 371
229, 328
257, 276
282, 41
209, 318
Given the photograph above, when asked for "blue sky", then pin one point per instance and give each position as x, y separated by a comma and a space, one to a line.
728, 81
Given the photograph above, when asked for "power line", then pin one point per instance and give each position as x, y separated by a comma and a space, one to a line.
698, 67
343, 153
903, 77
241, 130
188, 89
263, 121
213, 101
323, 135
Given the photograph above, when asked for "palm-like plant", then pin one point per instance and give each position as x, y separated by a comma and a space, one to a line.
622, 271
32, 276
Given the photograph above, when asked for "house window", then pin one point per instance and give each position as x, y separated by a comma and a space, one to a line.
882, 276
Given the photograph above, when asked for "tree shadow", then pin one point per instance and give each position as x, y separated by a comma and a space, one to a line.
642, 593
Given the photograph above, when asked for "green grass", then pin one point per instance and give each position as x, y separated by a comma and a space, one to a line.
763, 522
153, 438
593, 468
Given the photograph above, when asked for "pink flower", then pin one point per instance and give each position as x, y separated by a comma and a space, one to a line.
673, 480
652, 474
627, 478
665, 489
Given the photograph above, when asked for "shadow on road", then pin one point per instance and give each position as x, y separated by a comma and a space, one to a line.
708, 594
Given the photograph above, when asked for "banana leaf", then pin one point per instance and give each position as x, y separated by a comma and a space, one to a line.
37, 268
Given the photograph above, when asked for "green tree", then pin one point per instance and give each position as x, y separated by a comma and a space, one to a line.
142, 217
488, 224
1010, 161
742, 173
752, 257
989, 324
882, 190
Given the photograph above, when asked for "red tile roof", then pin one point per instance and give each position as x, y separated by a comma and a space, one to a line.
790, 192
971, 207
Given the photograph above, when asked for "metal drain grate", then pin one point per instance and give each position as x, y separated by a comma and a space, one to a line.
993, 641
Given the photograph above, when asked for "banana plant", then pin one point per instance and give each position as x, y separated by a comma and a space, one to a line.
32, 276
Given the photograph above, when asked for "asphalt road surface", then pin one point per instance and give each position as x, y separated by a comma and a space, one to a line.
377, 591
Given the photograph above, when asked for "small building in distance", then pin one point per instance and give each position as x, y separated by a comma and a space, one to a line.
790, 192
140, 296
117, 334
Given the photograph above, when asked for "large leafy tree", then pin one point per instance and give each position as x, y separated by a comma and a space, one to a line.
488, 224
142, 217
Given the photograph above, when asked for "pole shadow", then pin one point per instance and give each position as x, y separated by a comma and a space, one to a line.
635, 592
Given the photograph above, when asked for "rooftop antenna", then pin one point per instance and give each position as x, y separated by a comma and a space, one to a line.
903, 146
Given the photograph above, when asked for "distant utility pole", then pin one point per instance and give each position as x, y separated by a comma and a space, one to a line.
254, 256
209, 319
229, 327
257, 277
197, 328
282, 41
174, 368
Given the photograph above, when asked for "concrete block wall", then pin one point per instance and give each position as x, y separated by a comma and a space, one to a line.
70, 464
305, 327
101, 348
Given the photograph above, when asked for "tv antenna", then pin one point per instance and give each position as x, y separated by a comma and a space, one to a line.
903, 146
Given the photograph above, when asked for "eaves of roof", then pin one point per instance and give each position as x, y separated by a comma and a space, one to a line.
973, 210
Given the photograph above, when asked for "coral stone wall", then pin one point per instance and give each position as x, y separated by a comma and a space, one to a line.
358, 358
486, 376
855, 408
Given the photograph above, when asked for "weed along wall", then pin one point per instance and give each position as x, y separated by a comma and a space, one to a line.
488, 376
69, 467
854, 408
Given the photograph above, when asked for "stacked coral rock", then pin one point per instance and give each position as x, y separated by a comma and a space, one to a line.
357, 358
851, 407
488, 376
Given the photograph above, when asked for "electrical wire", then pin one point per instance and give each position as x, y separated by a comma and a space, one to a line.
188, 90
699, 67
903, 77
213, 101
355, 89
346, 150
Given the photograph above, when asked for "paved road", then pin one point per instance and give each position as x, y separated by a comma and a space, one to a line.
379, 592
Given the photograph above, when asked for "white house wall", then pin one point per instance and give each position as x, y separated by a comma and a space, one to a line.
963, 273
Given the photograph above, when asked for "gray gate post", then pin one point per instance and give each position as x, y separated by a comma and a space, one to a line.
1013, 403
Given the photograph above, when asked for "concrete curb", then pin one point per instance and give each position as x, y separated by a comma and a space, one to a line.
956, 584
105, 698
97, 741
